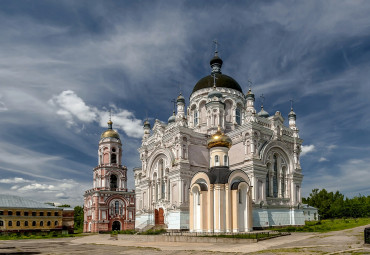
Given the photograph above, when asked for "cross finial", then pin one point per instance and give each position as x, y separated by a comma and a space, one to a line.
262, 100
180, 87
216, 45
291, 104
250, 83
214, 81
174, 105
110, 114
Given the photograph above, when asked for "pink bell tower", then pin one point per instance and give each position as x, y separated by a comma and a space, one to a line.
109, 205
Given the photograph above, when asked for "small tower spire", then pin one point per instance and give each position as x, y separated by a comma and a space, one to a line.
262, 100
214, 81
216, 61
110, 123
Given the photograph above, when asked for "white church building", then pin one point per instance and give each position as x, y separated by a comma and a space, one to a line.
262, 147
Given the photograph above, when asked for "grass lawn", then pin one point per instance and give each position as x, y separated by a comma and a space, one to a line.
327, 225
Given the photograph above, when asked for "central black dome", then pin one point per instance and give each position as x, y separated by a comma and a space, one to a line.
222, 80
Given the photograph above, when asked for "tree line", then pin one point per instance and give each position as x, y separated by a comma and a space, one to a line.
335, 205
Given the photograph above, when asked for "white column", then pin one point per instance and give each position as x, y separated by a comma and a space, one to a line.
181, 191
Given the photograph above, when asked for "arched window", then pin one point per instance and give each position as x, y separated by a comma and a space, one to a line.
26, 223
184, 151
56, 223
33, 223
268, 183
283, 182
217, 160
237, 116
49, 223
10, 223
226, 162
41, 223
274, 182
18, 223
116, 207
113, 181
1, 223
113, 158
195, 118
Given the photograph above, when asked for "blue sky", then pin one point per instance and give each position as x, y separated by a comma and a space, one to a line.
64, 64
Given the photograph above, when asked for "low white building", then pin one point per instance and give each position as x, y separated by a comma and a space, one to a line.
310, 213
263, 148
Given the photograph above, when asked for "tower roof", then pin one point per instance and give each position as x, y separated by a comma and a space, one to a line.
219, 139
110, 133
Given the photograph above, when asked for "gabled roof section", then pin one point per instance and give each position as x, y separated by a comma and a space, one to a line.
10, 201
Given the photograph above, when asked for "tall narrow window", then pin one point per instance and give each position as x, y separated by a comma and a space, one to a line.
10, 223
56, 223
26, 223
226, 161
41, 223
274, 182
33, 223
268, 184
283, 182
240, 197
163, 189
18, 223
116, 207
237, 116
113, 158
1, 223
217, 160
195, 118
113, 181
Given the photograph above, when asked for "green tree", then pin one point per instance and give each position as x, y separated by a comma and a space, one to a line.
79, 218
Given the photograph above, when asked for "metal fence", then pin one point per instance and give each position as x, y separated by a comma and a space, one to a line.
367, 235
258, 235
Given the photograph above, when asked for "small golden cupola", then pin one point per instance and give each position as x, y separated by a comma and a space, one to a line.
110, 133
219, 139
219, 145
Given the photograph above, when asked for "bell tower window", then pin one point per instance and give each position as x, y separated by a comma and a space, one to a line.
113, 158
226, 163
113, 181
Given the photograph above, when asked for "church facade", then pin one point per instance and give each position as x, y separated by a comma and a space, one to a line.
109, 205
263, 149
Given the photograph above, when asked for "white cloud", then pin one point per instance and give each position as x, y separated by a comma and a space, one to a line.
70, 106
332, 146
3, 108
14, 180
37, 187
323, 159
351, 178
307, 148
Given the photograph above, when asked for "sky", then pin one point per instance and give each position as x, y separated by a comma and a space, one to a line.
65, 64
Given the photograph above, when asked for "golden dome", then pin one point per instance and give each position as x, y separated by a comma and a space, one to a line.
110, 132
219, 139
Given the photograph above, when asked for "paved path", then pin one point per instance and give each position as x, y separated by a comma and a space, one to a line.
339, 242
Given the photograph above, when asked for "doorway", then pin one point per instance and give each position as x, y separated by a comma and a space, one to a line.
116, 226
159, 216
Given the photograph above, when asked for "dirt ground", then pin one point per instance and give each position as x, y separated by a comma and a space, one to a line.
339, 242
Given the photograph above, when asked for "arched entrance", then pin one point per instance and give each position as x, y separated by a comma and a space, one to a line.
159, 216
116, 226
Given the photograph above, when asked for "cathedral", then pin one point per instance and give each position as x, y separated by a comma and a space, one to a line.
109, 205
219, 165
